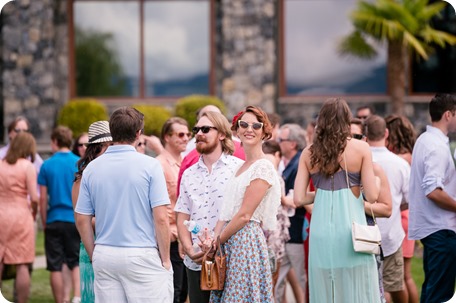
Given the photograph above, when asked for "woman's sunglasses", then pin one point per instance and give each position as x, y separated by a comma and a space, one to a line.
204, 129
181, 135
254, 125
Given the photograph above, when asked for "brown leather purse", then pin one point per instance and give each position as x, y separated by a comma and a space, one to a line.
213, 269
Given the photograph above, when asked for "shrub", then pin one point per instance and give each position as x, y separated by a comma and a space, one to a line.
78, 114
154, 117
187, 107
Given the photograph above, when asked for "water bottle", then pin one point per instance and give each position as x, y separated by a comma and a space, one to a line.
290, 210
193, 227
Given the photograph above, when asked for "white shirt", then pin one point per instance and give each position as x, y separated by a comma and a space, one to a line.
266, 212
432, 167
201, 194
397, 171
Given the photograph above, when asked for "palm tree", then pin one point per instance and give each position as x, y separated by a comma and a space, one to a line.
405, 25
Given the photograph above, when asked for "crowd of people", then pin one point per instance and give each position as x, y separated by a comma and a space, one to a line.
115, 206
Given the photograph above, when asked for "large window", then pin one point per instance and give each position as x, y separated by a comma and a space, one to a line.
312, 66
141, 48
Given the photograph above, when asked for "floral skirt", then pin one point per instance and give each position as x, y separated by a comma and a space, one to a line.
248, 275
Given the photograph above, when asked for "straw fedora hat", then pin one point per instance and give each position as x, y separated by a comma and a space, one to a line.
99, 132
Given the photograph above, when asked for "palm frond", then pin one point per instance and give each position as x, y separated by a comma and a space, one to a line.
415, 44
354, 45
430, 35
430, 11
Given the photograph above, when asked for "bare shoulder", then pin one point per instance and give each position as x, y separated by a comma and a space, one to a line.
358, 146
305, 155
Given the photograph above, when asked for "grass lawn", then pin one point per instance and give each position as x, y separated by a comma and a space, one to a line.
41, 289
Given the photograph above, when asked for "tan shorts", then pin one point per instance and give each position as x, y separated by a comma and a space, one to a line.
393, 272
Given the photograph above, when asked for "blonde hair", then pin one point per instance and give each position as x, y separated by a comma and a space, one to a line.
22, 146
223, 126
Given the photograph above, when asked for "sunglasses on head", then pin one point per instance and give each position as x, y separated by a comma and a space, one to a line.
181, 135
358, 136
18, 130
204, 129
254, 125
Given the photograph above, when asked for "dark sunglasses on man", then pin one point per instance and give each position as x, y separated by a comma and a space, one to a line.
204, 129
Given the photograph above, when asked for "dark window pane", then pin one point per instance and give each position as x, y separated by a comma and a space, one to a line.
107, 48
177, 48
312, 65
438, 74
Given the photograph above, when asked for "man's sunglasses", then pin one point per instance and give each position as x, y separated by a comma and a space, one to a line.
358, 136
181, 135
204, 129
254, 125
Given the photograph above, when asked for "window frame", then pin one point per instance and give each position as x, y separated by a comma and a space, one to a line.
142, 74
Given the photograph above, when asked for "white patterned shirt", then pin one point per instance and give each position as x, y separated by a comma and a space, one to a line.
201, 194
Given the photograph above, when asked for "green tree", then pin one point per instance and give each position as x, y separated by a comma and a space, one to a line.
406, 27
98, 71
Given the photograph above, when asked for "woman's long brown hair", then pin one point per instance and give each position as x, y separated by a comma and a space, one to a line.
331, 133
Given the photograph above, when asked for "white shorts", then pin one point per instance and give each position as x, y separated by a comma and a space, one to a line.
131, 275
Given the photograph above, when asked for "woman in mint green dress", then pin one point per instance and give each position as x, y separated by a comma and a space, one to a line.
99, 140
338, 166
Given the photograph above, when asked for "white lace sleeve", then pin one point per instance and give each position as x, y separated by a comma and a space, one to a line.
266, 212
264, 170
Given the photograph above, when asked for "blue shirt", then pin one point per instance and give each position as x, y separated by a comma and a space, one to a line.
120, 188
432, 168
57, 174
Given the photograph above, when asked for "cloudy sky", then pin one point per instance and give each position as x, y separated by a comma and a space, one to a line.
176, 35
177, 39
313, 29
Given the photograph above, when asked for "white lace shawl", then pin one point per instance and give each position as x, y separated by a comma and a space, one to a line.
266, 212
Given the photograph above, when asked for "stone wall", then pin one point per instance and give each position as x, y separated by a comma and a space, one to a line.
34, 62
246, 67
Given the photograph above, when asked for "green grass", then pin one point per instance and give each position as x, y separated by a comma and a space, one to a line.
41, 289
417, 272
39, 244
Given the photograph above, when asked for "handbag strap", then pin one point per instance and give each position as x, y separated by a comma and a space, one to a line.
348, 186
219, 248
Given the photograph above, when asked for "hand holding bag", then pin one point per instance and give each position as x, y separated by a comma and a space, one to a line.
213, 269
366, 238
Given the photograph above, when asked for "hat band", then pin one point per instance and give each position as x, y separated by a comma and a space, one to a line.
94, 138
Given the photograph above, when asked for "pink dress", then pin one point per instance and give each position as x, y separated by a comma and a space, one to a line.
408, 246
17, 234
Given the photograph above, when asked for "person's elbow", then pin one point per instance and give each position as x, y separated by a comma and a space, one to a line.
387, 211
161, 217
245, 218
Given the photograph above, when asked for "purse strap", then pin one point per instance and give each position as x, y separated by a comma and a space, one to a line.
348, 186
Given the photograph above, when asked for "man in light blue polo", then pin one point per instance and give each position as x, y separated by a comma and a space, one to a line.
126, 191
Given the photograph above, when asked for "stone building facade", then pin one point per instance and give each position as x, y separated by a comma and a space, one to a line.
34, 64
